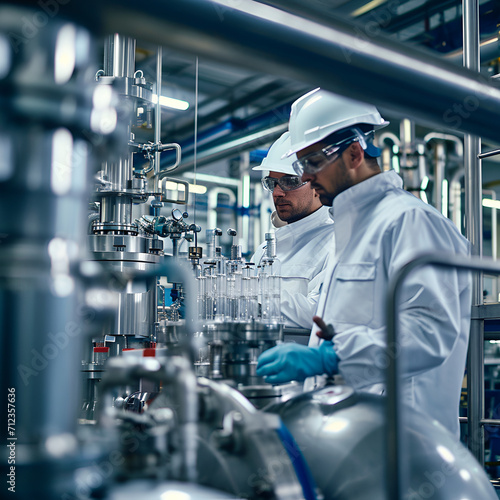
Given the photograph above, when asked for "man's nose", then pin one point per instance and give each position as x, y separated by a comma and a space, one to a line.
278, 191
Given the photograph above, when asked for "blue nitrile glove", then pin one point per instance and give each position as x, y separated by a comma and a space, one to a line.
287, 362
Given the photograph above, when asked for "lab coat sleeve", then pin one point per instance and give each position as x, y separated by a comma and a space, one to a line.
433, 311
297, 309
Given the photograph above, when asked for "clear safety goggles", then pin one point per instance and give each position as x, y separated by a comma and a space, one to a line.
286, 183
318, 160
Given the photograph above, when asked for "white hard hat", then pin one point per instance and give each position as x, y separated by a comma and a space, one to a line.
274, 162
319, 113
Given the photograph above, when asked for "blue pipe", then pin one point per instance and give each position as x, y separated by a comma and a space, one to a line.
299, 463
224, 130
258, 155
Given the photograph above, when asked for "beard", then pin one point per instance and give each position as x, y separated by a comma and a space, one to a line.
289, 213
341, 183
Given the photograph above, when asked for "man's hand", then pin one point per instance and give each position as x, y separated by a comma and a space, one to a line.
326, 332
290, 361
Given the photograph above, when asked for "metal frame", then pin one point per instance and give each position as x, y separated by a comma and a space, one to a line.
474, 233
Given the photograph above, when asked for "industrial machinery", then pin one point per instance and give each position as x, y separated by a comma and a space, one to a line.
150, 426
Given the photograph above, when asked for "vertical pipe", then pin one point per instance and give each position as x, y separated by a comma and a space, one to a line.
439, 168
245, 201
494, 243
119, 56
474, 230
494, 251
159, 57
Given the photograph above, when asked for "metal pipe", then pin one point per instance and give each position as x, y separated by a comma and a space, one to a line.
159, 58
485, 421
185, 393
456, 198
490, 50
179, 271
176, 372
439, 175
336, 56
389, 136
459, 147
474, 233
234, 147
213, 201
489, 153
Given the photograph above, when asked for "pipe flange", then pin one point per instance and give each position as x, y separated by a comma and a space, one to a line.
114, 228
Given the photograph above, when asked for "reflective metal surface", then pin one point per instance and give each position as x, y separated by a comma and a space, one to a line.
341, 435
239, 448
166, 490
49, 116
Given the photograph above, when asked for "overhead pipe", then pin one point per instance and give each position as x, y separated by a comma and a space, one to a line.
349, 59
386, 18
234, 147
232, 131
231, 107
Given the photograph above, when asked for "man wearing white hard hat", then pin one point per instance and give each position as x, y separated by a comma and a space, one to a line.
304, 232
378, 227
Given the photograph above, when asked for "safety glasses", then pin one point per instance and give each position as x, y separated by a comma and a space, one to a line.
286, 183
318, 160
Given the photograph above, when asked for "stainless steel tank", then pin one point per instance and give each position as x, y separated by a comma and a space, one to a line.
341, 436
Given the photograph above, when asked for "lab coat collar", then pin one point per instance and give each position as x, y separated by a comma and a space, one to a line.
365, 192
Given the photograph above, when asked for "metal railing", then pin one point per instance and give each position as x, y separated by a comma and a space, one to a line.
394, 483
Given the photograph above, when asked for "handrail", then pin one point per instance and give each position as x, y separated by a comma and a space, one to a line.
393, 410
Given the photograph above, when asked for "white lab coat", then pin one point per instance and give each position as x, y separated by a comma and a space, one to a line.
378, 228
302, 248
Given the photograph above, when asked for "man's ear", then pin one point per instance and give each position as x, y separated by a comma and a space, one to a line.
355, 155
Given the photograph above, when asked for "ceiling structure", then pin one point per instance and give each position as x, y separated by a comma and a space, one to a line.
240, 110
